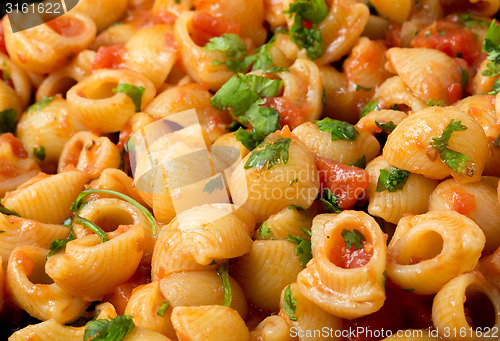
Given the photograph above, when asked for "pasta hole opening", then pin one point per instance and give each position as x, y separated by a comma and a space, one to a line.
38, 274
426, 246
112, 218
479, 311
101, 91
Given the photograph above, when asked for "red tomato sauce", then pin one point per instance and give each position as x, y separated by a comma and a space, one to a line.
3, 48
353, 258
15, 144
67, 27
463, 202
346, 182
450, 38
109, 57
206, 27
290, 114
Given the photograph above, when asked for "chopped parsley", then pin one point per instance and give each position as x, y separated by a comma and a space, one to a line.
303, 249
314, 11
290, 304
133, 92
329, 201
368, 108
409, 290
360, 163
40, 105
360, 87
338, 129
391, 179
491, 45
353, 238
59, 244
39, 153
223, 272
431, 103
7, 120
213, 184
293, 182
458, 162
265, 232
6, 211
388, 126
473, 22
264, 59
5, 71
270, 155
109, 330
163, 308
465, 78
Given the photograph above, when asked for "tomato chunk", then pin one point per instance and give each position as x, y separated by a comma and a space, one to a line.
109, 57
346, 182
2, 40
15, 144
66, 26
290, 114
463, 202
206, 26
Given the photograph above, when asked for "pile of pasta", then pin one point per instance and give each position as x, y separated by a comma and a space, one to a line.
365, 198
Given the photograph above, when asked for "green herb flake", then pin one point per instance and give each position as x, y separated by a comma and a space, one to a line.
223, 272
235, 49
392, 179
473, 22
263, 60
465, 78
265, 232
39, 153
109, 330
409, 290
458, 162
2, 231
59, 244
8, 121
360, 163
431, 103
293, 182
339, 130
329, 201
270, 155
214, 184
5, 71
133, 92
360, 87
441, 32
388, 126
491, 45
353, 238
163, 308
303, 249
368, 108
40, 105
6, 211
290, 304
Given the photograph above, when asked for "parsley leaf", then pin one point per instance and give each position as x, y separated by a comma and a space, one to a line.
368, 108
7, 120
290, 304
472, 22
213, 184
389, 126
391, 179
271, 154
59, 244
360, 163
338, 129
163, 308
314, 11
353, 238
491, 45
265, 232
303, 249
360, 87
409, 290
458, 162
235, 49
431, 103
464, 79
134, 92
2, 231
92, 227
330, 201
293, 182
6, 211
223, 272
264, 122
39, 153
109, 330
42, 104
264, 59
5, 71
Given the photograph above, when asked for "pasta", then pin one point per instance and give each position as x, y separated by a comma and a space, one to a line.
250, 170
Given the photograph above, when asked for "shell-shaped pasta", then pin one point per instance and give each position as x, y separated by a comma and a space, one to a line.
428, 73
413, 335
428, 250
413, 198
273, 12
207, 323
369, 121
89, 153
482, 109
144, 304
17, 166
191, 96
197, 237
99, 108
272, 328
19, 231
46, 198
151, 51
197, 61
408, 146
19, 79
288, 221
266, 270
310, 317
396, 10
490, 268
346, 292
394, 91
50, 127
196, 288
229, 140
102, 12
9, 100
90, 269
469, 290
340, 29
59, 39
34, 291
318, 226
62, 80
344, 151
477, 201
268, 190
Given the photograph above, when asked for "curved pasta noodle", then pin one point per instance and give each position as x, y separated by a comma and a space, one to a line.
60, 39
428, 250
477, 201
49, 208
481, 84
262, 183
343, 151
197, 237
197, 288
210, 322
20, 82
413, 198
395, 10
90, 269
394, 92
369, 121
266, 270
448, 307
289, 221
272, 328
230, 140
408, 146
91, 99
34, 291
482, 109
346, 292
89, 153
102, 12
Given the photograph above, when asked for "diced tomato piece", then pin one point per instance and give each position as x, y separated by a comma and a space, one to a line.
109, 57
450, 38
290, 114
15, 144
346, 182
2, 40
65, 26
206, 26
393, 35
353, 258
463, 202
